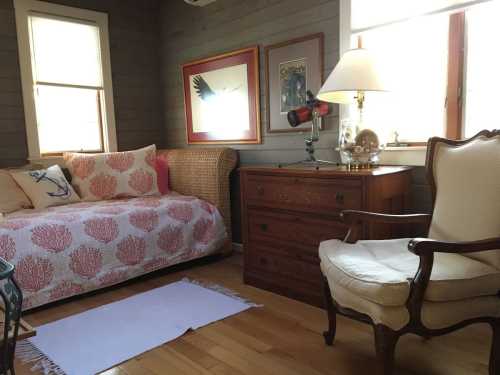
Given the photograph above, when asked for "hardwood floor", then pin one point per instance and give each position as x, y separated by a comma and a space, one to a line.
281, 338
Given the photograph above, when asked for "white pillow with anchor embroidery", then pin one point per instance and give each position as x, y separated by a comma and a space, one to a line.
46, 187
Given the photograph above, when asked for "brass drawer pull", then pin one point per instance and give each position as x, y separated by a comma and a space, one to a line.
260, 190
339, 198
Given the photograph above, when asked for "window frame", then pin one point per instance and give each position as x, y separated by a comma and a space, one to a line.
23, 9
455, 100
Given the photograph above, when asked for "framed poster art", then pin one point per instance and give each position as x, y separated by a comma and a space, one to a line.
292, 68
221, 96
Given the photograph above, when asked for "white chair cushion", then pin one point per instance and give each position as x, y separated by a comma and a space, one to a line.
435, 315
379, 271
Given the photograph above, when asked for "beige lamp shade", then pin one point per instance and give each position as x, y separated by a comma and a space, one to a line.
355, 72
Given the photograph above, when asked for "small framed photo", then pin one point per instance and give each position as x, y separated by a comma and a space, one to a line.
292, 68
221, 96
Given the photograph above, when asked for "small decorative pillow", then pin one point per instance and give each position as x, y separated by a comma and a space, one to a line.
46, 187
12, 197
113, 175
161, 166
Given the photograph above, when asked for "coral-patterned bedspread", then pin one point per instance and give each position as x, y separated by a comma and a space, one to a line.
68, 250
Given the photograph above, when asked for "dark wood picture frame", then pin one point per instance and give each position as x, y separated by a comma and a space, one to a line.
248, 56
321, 58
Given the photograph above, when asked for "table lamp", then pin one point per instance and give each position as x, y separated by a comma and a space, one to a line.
353, 76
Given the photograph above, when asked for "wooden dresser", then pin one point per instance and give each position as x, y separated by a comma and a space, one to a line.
287, 212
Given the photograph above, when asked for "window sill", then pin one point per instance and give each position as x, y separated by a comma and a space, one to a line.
412, 155
46, 161
406, 148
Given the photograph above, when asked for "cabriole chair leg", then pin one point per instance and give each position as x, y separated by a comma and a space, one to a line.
329, 335
385, 347
495, 348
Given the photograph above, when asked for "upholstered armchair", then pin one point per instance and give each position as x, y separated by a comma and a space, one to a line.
426, 286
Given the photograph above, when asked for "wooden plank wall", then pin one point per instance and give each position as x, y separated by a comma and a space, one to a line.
190, 33
135, 57
13, 147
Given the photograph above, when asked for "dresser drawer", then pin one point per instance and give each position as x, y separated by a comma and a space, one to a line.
294, 229
318, 195
259, 259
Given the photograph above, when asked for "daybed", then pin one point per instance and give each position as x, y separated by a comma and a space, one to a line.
68, 250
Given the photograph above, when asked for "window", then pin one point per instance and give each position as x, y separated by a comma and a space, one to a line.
440, 62
66, 79
482, 62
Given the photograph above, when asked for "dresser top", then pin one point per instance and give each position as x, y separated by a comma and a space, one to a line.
334, 170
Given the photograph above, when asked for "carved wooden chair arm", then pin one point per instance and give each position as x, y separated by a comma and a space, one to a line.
425, 249
421, 246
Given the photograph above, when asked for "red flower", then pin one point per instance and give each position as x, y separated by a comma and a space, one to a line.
34, 273
131, 250
113, 277
182, 212
103, 186
7, 247
52, 237
120, 161
204, 231
207, 207
14, 224
146, 220
141, 181
104, 229
83, 166
171, 239
66, 289
86, 261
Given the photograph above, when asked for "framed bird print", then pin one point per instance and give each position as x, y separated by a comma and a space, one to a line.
221, 96
292, 68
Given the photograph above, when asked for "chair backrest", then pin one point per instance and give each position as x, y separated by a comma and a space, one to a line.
465, 183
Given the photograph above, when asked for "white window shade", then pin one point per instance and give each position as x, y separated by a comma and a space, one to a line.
412, 57
370, 13
68, 119
71, 57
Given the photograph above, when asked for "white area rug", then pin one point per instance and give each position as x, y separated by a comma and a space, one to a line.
106, 336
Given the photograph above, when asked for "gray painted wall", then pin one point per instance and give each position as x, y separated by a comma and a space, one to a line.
152, 39
190, 33
135, 58
13, 147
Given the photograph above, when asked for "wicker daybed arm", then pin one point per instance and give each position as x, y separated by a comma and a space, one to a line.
204, 173
421, 246
355, 219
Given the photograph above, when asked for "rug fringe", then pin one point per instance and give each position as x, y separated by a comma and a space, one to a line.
223, 290
27, 352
